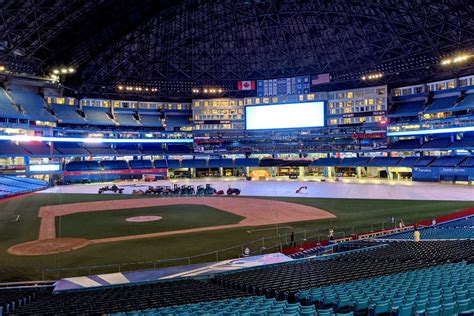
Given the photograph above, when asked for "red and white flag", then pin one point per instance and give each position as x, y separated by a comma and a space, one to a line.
321, 78
246, 85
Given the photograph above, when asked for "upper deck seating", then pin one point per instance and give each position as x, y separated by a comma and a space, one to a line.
33, 105
68, 114
66, 148
150, 120
441, 104
7, 109
126, 119
467, 103
97, 116
405, 144
410, 108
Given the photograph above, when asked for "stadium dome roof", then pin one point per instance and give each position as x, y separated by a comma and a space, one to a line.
170, 42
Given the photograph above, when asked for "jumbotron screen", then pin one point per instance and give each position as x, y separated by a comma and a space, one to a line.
288, 115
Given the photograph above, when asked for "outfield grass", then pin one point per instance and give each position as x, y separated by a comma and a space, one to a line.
95, 225
350, 213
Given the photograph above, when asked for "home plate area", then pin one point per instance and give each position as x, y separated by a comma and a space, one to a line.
143, 219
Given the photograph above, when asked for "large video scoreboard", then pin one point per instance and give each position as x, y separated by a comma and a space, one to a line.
286, 115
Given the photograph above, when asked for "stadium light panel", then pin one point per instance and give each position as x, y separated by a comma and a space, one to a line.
26, 138
433, 131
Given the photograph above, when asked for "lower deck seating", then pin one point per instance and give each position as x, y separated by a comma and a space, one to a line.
285, 280
448, 289
258, 305
129, 298
11, 185
70, 149
83, 165
398, 277
437, 233
14, 298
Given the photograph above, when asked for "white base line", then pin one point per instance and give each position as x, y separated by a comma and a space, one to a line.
16, 219
271, 228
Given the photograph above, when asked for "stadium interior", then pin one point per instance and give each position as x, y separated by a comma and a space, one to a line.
247, 157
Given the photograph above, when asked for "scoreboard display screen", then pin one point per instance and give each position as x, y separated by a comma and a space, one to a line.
288, 115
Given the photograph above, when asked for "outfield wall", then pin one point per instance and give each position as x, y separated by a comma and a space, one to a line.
437, 174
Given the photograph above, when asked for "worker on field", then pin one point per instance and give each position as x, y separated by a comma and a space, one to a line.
331, 233
292, 240
416, 234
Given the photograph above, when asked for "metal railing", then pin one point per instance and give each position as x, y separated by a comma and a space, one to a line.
263, 245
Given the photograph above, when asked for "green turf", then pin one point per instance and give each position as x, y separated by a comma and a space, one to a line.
113, 223
352, 215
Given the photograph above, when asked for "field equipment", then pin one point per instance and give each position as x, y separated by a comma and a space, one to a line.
200, 190
112, 188
233, 191
209, 190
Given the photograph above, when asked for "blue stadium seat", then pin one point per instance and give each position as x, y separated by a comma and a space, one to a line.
383, 162
160, 163
68, 114
174, 163
126, 119
114, 164
152, 149
246, 162
178, 149
83, 165
409, 108
150, 120
448, 161
99, 149
424, 161
354, 162
67, 148
8, 148
140, 164
405, 144
127, 149
325, 162
11, 185
7, 109
97, 116
177, 121
438, 143
39, 149
441, 104
467, 103
407, 162
33, 105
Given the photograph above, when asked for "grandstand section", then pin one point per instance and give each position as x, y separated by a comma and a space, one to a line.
237, 158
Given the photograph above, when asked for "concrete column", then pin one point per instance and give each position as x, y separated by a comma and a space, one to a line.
301, 172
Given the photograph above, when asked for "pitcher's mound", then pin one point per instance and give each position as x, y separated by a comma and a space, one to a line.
48, 246
142, 219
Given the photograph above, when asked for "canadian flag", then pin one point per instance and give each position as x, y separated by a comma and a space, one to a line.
246, 85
